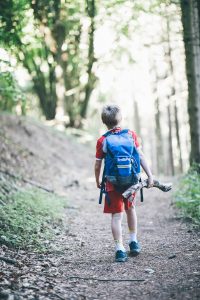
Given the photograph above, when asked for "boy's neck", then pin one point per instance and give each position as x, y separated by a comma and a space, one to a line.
117, 126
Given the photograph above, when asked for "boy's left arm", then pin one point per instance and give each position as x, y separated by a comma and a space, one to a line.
146, 167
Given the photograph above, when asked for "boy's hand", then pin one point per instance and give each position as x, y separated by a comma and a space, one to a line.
98, 185
150, 181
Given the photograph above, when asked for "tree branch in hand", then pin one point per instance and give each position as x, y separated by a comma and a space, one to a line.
165, 187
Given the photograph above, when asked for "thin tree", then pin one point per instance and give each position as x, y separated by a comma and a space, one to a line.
170, 145
136, 118
157, 115
91, 11
168, 54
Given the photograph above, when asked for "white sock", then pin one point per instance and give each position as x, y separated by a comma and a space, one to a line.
133, 237
119, 246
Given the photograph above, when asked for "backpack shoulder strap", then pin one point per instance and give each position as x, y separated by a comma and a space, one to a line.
117, 132
120, 132
124, 131
107, 133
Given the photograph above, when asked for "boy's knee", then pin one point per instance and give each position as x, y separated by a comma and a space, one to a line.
130, 209
117, 216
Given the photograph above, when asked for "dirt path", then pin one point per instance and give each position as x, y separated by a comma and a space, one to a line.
167, 266
168, 262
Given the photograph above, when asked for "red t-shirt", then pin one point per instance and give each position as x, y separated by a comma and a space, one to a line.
100, 154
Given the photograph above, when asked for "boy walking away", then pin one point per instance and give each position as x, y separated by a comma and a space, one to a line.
123, 157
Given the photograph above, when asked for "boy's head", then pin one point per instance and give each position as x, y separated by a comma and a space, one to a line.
111, 115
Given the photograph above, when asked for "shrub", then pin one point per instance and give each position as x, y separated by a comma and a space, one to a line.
187, 196
11, 96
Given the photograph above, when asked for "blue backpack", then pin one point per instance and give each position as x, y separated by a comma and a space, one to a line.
122, 161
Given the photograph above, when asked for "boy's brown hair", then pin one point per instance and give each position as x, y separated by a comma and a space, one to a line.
111, 115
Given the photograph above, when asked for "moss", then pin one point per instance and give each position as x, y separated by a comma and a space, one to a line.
29, 217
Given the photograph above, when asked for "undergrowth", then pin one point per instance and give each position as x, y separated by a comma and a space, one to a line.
187, 196
30, 218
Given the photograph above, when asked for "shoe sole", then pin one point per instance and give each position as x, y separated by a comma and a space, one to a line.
121, 260
134, 253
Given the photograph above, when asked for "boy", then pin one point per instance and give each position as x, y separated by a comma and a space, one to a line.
111, 117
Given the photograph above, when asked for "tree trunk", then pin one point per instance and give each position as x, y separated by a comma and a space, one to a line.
136, 118
47, 97
198, 7
91, 78
158, 131
45, 88
190, 20
178, 136
159, 146
51, 101
170, 146
173, 94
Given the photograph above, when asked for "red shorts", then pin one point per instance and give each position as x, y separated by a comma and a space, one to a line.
117, 203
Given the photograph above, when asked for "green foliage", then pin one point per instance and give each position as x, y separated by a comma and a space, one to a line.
10, 94
25, 34
187, 196
12, 21
30, 217
43, 35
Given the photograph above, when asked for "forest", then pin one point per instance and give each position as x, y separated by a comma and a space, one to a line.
62, 60
60, 63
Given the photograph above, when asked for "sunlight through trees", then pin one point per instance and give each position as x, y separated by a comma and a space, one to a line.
65, 59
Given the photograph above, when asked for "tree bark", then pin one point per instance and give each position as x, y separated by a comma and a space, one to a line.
136, 118
47, 97
190, 21
158, 136
45, 88
91, 77
170, 146
198, 8
178, 136
158, 130
173, 94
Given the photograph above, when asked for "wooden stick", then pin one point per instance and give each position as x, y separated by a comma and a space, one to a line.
102, 279
165, 187
8, 260
56, 295
37, 184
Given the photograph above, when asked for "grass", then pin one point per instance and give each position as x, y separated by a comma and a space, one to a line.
30, 217
187, 196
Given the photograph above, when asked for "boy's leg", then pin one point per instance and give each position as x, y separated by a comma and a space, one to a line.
116, 226
132, 223
116, 208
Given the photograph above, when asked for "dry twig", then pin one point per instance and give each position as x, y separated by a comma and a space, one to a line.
103, 279
34, 183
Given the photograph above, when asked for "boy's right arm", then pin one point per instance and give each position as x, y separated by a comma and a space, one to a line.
99, 156
97, 170
146, 168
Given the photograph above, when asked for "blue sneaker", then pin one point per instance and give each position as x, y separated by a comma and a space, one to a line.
134, 248
121, 256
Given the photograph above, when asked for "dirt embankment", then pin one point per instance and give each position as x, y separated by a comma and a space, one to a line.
82, 264
41, 154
